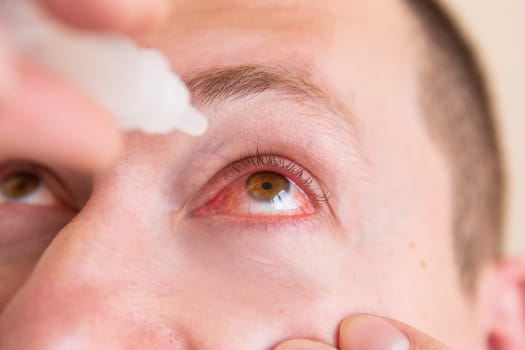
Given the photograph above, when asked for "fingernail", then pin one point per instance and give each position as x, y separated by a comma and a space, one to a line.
7, 70
371, 333
299, 344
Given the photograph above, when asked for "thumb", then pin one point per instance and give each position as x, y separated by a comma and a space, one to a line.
366, 332
45, 121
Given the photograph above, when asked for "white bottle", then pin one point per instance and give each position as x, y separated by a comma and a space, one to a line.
135, 85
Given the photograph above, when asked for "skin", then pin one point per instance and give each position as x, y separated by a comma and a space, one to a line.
135, 266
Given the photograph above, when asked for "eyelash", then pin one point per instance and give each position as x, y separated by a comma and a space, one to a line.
266, 161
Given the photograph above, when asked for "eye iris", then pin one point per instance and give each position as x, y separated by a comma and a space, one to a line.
19, 185
265, 186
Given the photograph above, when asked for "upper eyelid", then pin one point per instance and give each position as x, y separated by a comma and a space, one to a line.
274, 161
260, 159
9, 167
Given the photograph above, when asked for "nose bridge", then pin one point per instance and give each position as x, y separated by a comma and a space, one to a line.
111, 231
87, 287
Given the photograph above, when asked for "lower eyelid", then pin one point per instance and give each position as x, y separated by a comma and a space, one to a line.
267, 225
29, 222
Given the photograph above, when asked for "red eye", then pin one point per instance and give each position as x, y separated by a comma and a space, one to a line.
261, 194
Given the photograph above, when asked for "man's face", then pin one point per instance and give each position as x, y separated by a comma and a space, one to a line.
315, 194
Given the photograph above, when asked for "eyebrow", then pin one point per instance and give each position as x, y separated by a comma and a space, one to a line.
219, 84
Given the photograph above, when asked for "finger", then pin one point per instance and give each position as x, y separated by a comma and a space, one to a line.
303, 344
7, 75
44, 120
114, 15
366, 332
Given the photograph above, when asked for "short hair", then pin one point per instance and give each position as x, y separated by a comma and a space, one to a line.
459, 117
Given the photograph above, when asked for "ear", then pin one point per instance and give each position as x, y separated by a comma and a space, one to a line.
504, 299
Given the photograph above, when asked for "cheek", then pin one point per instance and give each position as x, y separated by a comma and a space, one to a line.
251, 290
248, 290
24, 236
26, 231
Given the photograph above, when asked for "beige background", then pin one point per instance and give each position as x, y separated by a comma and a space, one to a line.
498, 28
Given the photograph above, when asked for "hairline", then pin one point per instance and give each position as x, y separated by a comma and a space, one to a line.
453, 90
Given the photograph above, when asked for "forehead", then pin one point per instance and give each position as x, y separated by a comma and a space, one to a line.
362, 52
328, 35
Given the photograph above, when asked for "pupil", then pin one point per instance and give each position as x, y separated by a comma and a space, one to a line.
22, 185
267, 186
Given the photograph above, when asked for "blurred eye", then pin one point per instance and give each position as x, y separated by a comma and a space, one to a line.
25, 187
279, 189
